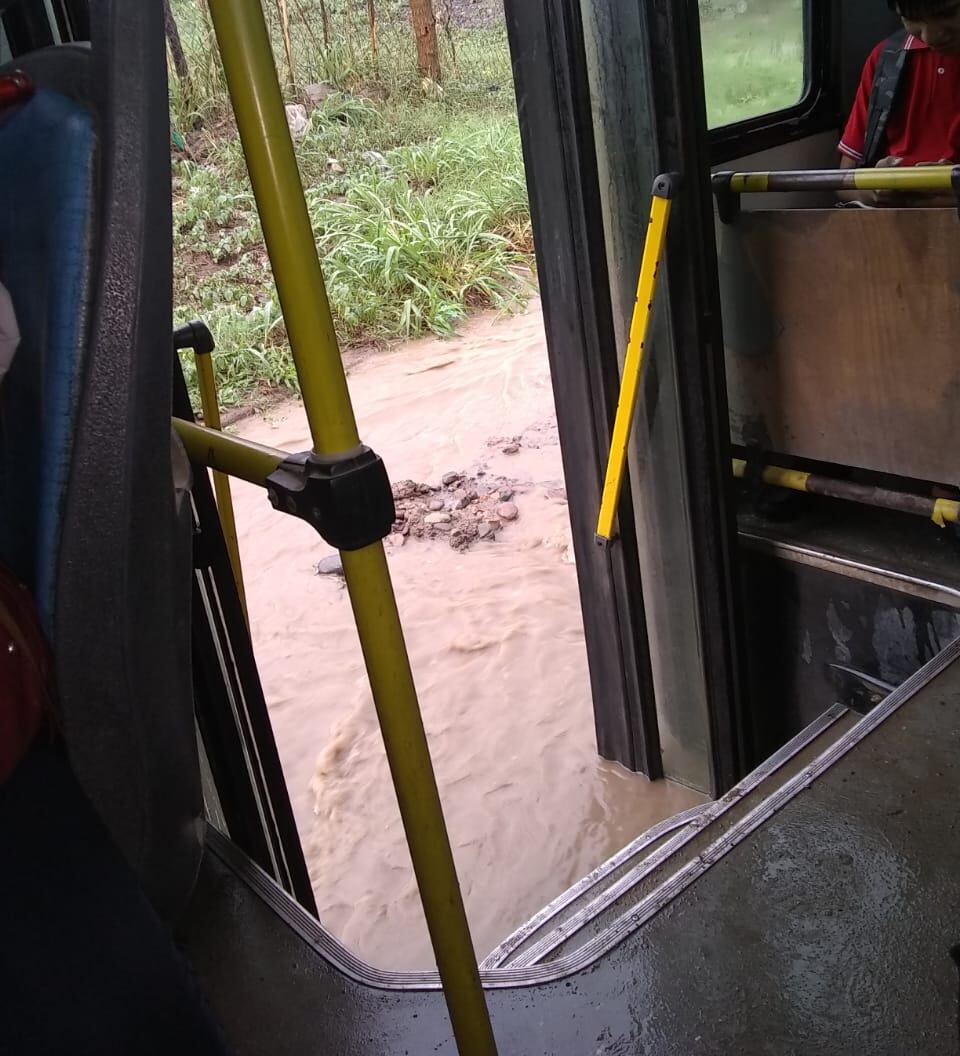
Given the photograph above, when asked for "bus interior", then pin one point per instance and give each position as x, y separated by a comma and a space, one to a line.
775, 624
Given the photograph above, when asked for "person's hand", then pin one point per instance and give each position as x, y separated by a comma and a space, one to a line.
932, 198
888, 197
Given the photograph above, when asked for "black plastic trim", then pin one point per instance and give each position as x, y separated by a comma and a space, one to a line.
348, 501
556, 125
695, 335
27, 27
230, 706
77, 13
817, 111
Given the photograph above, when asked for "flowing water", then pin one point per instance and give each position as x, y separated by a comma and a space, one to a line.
496, 642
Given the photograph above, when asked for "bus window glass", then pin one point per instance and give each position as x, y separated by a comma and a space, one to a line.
753, 57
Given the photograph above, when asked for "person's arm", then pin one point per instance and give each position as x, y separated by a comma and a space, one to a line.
853, 141
874, 198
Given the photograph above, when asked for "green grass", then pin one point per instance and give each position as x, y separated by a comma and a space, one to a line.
752, 62
428, 219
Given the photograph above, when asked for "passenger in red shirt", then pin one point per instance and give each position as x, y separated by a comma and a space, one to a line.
924, 123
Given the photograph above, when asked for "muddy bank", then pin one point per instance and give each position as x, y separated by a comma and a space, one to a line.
495, 638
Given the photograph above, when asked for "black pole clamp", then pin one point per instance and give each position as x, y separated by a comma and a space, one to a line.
349, 501
728, 200
194, 335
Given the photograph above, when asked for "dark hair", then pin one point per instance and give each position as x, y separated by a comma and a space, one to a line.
921, 8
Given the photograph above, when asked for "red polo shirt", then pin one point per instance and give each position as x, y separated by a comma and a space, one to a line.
925, 123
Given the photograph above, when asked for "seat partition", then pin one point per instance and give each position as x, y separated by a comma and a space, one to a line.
840, 328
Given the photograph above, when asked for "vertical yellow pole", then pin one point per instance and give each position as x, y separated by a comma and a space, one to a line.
255, 91
210, 405
633, 363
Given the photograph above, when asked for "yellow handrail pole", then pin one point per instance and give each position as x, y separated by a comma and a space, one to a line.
941, 511
261, 120
918, 179
226, 454
633, 362
210, 405
255, 91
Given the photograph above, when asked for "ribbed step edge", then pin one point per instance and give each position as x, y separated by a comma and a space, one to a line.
708, 815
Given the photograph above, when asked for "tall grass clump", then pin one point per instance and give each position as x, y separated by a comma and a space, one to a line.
416, 192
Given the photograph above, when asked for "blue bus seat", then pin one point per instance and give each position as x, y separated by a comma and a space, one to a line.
47, 150
88, 515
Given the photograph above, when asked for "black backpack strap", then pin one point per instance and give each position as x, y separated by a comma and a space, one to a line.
886, 82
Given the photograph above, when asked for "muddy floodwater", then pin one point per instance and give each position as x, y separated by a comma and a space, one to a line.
495, 637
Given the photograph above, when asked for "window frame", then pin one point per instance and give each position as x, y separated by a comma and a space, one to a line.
817, 109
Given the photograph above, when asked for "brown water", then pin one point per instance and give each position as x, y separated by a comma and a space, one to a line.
496, 641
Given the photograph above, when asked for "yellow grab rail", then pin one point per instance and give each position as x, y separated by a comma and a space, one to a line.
941, 511
210, 405
653, 246
920, 179
230, 455
255, 92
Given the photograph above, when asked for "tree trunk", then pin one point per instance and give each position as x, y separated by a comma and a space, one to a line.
372, 24
284, 16
325, 16
180, 64
425, 32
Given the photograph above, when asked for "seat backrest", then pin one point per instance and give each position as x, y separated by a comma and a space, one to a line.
840, 329
47, 148
87, 503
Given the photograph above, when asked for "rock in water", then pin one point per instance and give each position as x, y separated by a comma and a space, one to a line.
316, 95
449, 479
506, 494
507, 511
462, 536
330, 566
297, 119
487, 531
511, 449
405, 489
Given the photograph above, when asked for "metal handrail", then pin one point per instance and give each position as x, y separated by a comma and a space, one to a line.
251, 76
921, 178
210, 406
941, 511
660, 207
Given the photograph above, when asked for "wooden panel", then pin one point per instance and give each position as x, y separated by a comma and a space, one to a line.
842, 333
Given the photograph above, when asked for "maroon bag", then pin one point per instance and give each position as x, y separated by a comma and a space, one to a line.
24, 673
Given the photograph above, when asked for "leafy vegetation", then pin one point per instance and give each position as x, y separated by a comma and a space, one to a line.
416, 193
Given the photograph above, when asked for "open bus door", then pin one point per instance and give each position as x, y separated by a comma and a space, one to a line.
617, 103
756, 623
811, 908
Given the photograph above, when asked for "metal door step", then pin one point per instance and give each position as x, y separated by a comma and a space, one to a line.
584, 910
